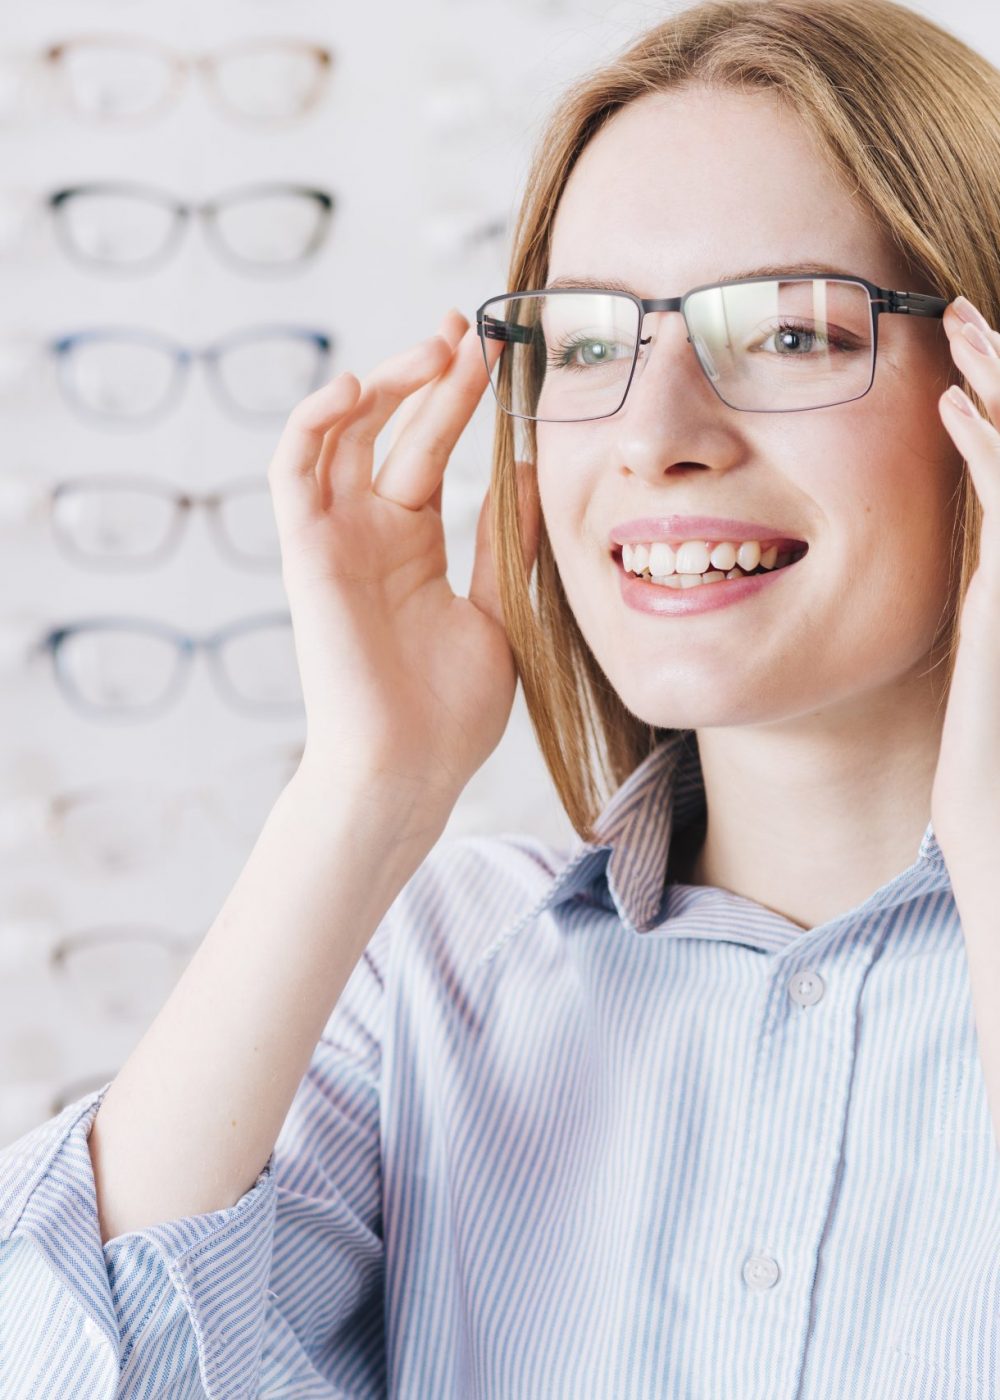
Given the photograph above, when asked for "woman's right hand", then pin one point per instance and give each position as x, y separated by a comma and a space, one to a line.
406, 685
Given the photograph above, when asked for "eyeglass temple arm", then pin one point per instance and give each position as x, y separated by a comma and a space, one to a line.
910, 303
494, 329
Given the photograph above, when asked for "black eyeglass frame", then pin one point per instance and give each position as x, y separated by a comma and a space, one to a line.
181, 213
881, 300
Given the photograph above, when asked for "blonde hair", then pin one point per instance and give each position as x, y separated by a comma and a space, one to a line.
909, 114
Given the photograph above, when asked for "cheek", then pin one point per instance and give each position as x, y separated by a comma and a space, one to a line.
565, 493
586, 571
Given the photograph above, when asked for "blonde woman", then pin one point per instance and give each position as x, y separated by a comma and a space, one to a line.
708, 1105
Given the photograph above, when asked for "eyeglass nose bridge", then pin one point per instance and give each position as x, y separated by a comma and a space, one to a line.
702, 352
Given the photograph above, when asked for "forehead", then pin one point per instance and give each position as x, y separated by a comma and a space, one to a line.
698, 184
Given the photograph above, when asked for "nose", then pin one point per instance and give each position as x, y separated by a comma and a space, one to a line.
681, 365
671, 415
664, 339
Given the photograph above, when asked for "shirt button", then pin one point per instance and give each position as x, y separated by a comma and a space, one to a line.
760, 1272
806, 988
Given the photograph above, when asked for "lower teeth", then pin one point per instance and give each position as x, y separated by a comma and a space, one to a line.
703, 580
716, 576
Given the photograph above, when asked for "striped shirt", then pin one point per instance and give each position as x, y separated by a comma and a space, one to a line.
572, 1132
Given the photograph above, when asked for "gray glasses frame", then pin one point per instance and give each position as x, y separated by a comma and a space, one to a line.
181, 504
881, 301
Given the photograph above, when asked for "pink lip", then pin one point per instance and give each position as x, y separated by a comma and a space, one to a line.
671, 528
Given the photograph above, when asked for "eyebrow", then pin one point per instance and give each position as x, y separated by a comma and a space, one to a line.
614, 284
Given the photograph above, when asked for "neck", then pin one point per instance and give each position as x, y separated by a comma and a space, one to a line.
809, 817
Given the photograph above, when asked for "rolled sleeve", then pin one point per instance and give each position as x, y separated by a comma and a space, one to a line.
79, 1317
280, 1293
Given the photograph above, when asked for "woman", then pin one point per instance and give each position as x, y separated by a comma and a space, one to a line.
697, 1108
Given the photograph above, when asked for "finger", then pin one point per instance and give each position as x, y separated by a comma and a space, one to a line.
958, 314
414, 468
291, 474
345, 464
484, 590
976, 352
436, 500
979, 443
452, 327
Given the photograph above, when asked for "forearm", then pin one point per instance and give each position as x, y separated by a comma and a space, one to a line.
195, 1111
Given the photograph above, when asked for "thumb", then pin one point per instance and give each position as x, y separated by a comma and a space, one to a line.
483, 589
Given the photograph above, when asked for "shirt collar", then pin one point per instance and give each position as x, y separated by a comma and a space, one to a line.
663, 794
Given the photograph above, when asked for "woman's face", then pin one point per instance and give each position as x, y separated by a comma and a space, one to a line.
692, 187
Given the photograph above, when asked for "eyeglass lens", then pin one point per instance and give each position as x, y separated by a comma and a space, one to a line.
108, 79
764, 345
116, 228
269, 83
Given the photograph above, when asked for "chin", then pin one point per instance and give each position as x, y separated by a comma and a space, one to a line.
704, 706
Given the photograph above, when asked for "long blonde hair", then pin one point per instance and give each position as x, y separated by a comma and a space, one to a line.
910, 116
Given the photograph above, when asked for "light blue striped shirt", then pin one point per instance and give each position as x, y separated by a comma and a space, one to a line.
571, 1133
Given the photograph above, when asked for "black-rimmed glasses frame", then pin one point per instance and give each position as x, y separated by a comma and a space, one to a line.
182, 212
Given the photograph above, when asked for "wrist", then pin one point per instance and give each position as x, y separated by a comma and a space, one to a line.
401, 811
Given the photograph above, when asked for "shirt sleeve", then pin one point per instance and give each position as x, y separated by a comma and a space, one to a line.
280, 1293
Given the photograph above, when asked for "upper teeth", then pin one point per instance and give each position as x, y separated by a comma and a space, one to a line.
696, 557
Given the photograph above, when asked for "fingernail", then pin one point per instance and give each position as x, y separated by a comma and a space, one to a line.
961, 400
976, 338
968, 312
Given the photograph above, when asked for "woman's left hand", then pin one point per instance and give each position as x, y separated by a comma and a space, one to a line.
965, 801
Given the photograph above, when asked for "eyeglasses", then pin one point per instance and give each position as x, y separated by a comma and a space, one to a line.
765, 344
127, 668
120, 828
127, 522
114, 77
124, 226
129, 375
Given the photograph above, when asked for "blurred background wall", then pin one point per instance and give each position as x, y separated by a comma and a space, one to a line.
393, 140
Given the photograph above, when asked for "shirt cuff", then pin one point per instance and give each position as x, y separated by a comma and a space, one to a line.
218, 1263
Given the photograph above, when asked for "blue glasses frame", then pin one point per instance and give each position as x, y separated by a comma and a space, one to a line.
183, 356
52, 643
